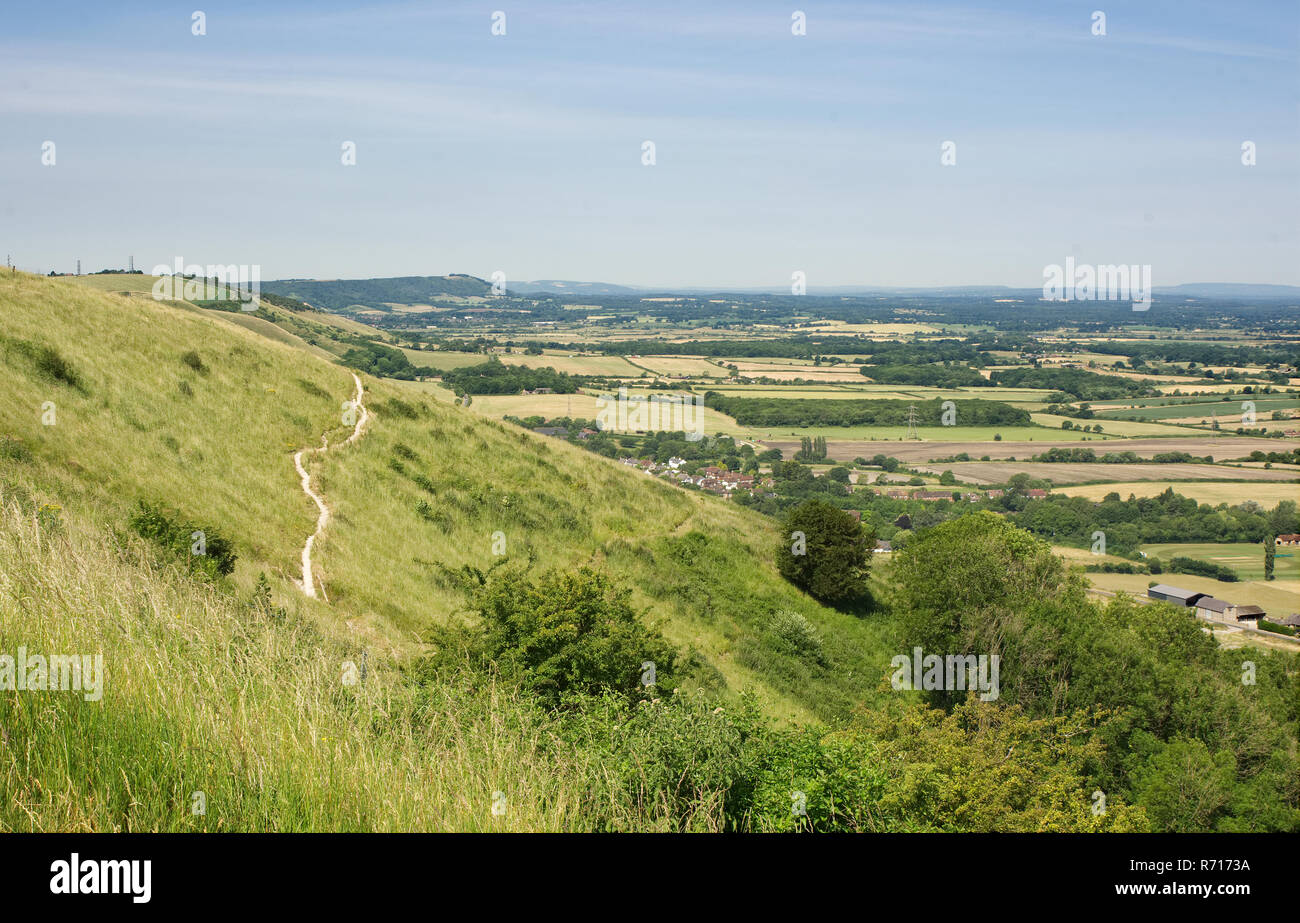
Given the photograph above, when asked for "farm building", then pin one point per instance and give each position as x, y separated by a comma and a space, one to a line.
1250, 613
1208, 607
1289, 539
883, 547
1173, 594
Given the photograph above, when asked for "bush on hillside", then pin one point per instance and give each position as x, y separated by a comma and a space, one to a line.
569, 633
201, 548
46, 361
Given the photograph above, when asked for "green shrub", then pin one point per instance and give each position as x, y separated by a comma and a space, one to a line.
194, 361
14, 449
797, 632
46, 361
568, 633
184, 540
1265, 625
1182, 565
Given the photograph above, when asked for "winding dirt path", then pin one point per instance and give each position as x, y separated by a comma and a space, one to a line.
308, 583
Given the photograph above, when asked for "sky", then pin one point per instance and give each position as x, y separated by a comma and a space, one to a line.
774, 153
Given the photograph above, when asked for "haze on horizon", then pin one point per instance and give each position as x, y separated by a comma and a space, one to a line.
774, 152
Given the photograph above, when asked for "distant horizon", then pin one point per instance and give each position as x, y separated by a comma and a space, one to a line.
750, 288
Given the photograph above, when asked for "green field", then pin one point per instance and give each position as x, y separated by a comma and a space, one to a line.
1246, 560
1208, 410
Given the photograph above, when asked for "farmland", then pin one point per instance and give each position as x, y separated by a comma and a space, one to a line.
1246, 560
1087, 473
1211, 492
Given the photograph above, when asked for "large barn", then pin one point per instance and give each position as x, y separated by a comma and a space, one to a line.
1175, 595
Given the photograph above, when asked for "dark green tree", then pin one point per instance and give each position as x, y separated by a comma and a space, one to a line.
825, 552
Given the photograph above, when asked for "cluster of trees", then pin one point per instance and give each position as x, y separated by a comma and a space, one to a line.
1075, 455
1167, 517
1285, 458
495, 377
938, 376
380, 361
978, 585
811, 448
1185, 565
1169, 350
1078, 383
779, 411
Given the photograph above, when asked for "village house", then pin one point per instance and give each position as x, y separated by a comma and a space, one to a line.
883, 547
1291, 538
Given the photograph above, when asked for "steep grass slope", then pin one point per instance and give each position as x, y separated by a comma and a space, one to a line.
178, 407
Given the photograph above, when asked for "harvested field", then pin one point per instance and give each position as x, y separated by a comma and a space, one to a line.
1211, 492
1065, 473
1218, 447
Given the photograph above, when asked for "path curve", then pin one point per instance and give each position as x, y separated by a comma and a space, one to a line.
308, 583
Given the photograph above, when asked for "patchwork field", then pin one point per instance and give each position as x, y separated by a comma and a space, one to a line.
1202, 410
843, 445
1067, 473
577, 365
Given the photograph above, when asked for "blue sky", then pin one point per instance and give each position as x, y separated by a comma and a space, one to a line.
522, 153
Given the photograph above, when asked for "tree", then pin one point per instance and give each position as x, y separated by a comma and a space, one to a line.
825, 552
1184, 787
947, 479
1270, 552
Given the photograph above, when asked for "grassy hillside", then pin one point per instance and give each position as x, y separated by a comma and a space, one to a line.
184, 409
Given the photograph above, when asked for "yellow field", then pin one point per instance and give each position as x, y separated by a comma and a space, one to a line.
1213, 493
1114, 427
691, 366
442, 358
576, 365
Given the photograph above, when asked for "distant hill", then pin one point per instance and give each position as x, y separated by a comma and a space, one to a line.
563, 287
343, 295
1230, 290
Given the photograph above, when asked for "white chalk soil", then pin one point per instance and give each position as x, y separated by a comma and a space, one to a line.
309, 583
